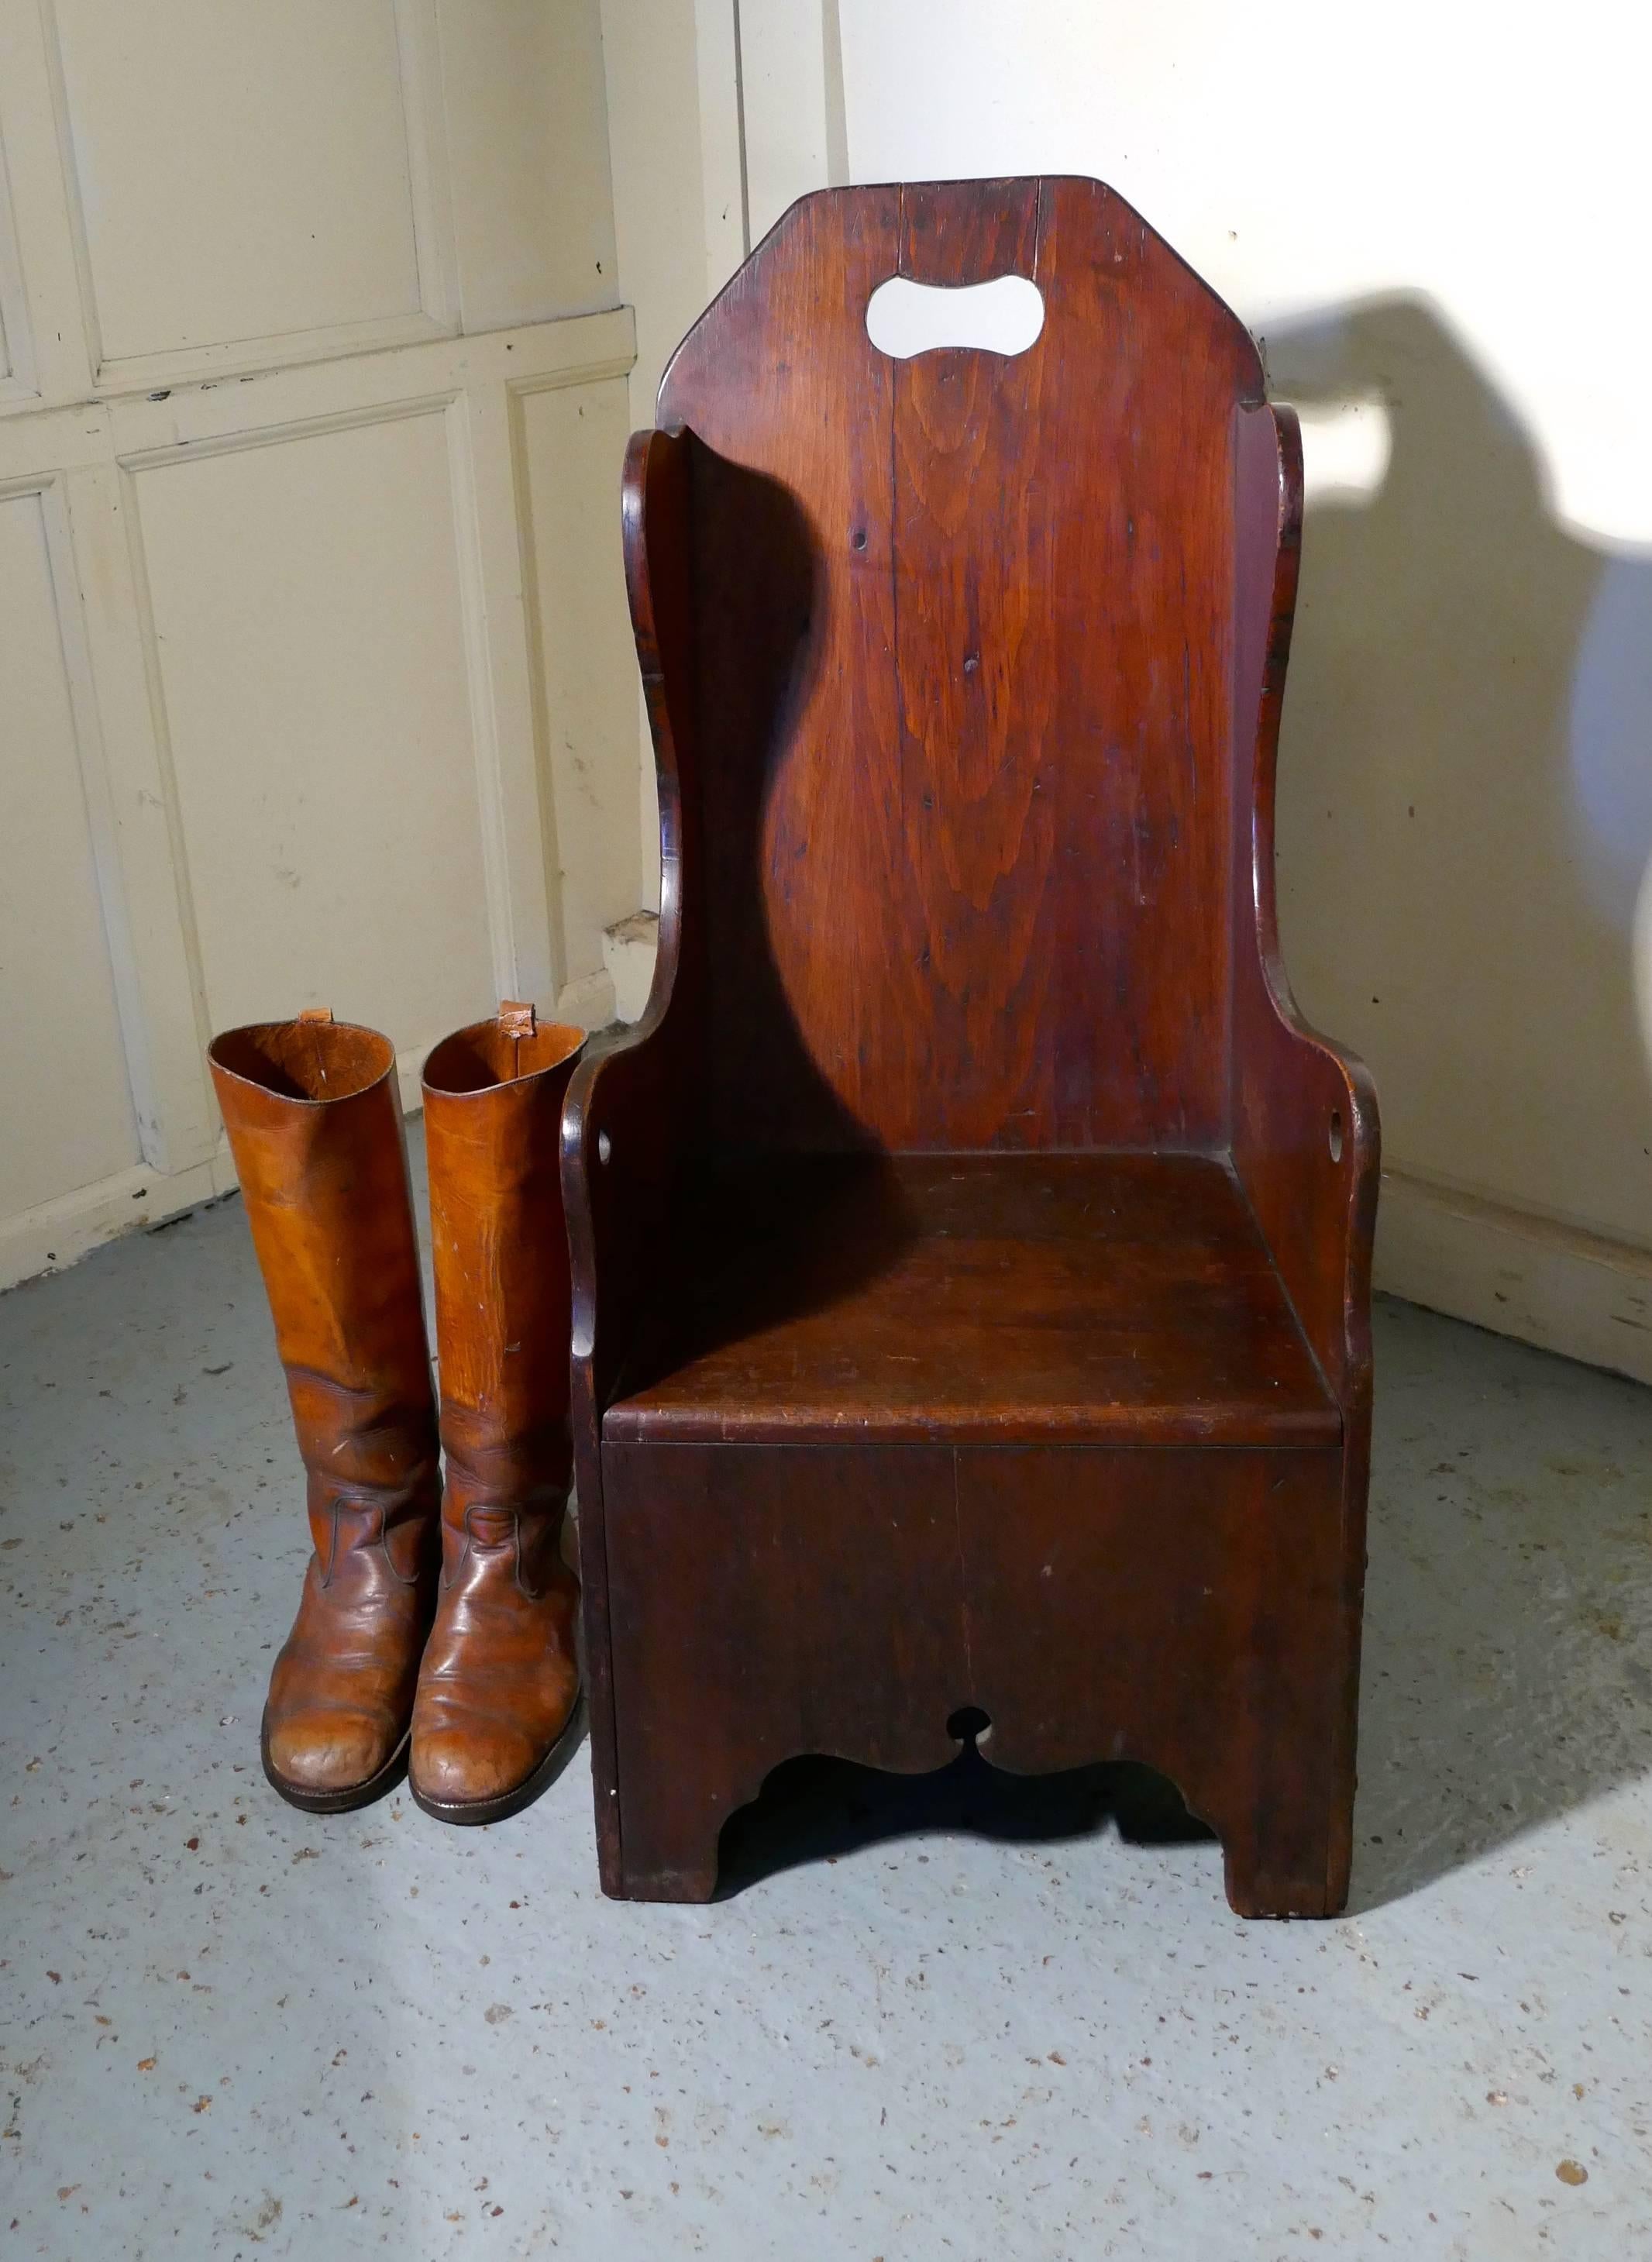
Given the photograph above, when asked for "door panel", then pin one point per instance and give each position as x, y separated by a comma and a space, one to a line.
569, 443
66, 1115
527, 137
345, 638
240, 171
313, 670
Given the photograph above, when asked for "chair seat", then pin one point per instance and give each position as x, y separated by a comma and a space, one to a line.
1104, 1299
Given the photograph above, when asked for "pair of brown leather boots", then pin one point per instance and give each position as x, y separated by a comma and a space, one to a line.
436, 1628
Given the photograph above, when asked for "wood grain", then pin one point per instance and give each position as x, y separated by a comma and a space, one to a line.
971, 1246
1303, 1126
986, 1298
1181, 1608
767, 1671
630, 1104
964, 624
1214, 1575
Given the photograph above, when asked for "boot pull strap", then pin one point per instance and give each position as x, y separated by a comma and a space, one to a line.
515, 1020
317, 1016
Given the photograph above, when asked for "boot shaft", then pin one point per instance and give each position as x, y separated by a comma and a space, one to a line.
492, 1111
314, 1124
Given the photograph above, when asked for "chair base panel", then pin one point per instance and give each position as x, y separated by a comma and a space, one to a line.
1196, 1610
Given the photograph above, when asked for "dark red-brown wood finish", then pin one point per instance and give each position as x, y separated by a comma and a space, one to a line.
970, 1246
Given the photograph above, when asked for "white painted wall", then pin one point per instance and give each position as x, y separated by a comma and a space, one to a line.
315, 683
1435, 220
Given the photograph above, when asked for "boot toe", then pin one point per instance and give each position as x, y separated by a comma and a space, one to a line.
466, 1767
325, 1754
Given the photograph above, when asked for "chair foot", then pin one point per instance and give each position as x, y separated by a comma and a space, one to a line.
698, 1884
665, 1857
1264, 1880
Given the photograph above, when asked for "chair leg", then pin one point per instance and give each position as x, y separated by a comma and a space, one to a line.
1258, 1886
1288, 1854
667, 1847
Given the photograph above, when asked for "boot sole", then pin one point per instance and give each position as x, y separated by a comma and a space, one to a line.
335, 1802
469, 1812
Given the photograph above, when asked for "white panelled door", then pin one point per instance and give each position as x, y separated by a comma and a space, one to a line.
314, 678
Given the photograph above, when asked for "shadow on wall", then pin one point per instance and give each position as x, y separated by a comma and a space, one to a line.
1465, 817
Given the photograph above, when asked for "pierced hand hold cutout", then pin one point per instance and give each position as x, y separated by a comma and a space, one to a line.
970, 1724
1003, 316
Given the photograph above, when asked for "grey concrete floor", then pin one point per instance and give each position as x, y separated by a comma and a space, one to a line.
963, 2018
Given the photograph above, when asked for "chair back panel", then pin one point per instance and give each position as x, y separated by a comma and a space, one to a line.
965, 781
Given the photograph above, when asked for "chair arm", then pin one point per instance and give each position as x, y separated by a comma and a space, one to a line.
619, 1152
1306, 1147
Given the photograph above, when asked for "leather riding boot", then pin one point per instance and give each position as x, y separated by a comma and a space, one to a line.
314, 1124
499, 1687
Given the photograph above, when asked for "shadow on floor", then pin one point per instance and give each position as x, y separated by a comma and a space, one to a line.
814, 1810
1507, 1676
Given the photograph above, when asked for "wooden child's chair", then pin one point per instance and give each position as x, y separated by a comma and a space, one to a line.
970, 1246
